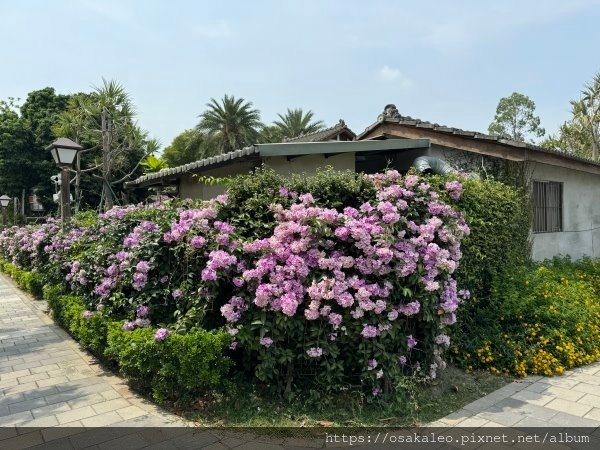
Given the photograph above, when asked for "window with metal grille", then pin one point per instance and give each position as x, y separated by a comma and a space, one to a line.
547, 206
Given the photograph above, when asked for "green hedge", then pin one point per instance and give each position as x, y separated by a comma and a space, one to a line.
181, 367
499, 216
177, 369
29, 281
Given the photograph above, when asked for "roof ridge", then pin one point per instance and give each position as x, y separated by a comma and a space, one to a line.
182, 168
340, 124
391, 115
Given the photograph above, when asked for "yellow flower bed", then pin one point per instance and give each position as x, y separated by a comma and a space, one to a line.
542, 319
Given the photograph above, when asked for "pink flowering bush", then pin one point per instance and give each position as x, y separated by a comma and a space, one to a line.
344, 277
335, 289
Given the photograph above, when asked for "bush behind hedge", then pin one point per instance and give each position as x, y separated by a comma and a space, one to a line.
136, 259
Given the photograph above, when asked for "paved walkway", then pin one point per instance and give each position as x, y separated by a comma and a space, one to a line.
569, 400
49, 384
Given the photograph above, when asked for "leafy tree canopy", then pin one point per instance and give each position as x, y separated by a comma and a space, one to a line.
515, 118
187, 147
25, 131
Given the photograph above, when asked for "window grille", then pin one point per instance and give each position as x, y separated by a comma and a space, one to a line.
547, 206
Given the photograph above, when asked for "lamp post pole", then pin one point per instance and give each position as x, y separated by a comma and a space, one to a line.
65, 194
64, 152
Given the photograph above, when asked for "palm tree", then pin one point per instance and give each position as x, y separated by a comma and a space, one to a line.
153, 164
587, 112
296, 122
231, 124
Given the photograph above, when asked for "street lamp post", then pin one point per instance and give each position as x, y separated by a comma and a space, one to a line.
4, 201
64, 151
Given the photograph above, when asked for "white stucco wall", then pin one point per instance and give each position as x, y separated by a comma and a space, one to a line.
581, 207
581, 214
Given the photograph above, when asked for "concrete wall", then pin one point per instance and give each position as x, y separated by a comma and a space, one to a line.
310, 163
581, 215
189, 187
581, 205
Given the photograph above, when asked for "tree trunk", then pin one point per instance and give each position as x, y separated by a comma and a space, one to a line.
106, 191
289, 378
595, 139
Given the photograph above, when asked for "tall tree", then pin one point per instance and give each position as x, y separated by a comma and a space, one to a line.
296, 122
105, 119
573, 136
231, 124
269, 134
587, 113
515, 117
25, 131
16, 151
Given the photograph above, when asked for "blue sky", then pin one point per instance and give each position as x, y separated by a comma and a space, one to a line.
443, 61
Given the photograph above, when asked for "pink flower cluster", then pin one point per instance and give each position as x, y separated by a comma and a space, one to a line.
349, 267
339, 267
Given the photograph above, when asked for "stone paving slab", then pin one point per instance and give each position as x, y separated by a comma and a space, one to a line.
569, 400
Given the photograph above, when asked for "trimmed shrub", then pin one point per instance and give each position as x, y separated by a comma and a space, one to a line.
53, 295
29, 281
499, 216
181, 367
33, 283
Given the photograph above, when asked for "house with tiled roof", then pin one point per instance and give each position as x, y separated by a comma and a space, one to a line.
564, 187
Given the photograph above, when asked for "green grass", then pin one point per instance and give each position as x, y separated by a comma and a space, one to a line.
418, 404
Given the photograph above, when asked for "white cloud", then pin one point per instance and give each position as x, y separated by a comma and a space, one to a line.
392, 75
218, 30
